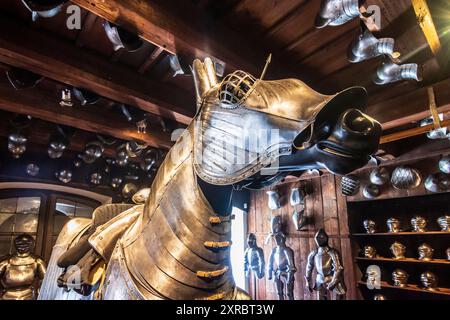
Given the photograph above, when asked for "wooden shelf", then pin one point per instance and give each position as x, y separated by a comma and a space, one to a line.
428, 233
412, 287
402, 204
406, 260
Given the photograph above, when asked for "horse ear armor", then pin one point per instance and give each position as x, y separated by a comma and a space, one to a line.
204, 74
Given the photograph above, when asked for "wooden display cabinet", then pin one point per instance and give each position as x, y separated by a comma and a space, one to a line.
402, 205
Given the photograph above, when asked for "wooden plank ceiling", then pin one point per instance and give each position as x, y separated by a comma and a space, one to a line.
237, 33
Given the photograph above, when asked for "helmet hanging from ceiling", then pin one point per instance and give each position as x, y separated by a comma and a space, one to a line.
121, 38
44, 8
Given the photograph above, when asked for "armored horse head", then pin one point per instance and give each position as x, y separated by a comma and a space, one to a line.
247, 133
252, 132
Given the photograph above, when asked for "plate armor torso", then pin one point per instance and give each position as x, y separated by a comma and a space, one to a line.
282, 260
328, 266
324, 263
254, 260
179, 247
19, 275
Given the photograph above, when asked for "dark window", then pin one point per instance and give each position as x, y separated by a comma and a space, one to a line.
17, 215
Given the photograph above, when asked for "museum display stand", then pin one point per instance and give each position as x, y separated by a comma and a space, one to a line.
403, 205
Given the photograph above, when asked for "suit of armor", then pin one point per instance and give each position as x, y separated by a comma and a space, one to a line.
329, 269
18, 273
253, 258
282, 266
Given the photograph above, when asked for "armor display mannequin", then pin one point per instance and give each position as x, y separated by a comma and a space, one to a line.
282, 268
329, 269
19, 272
253, 258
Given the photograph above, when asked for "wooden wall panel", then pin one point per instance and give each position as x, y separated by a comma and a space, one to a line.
324, 208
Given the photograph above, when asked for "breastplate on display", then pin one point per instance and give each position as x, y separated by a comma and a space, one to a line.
253, 258
18, 278
19, 273
281, 261
324, 263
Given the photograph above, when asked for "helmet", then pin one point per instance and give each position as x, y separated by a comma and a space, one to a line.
44, 8
366, 46
23, 79
23, 243
429, 280
85, 96
121, 38
400, 278
404, 177
379, 176
280, 238
251, 240
350, 185
321, 238
437, 182
337, 12
371, 191
444, 164
389, 72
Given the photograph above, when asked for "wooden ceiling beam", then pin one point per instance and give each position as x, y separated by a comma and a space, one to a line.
340, 73
290, 17
89, 22
148, 63
396, 136
182, 28
426, 23
37, 104
41, 133
410, 107
63, 61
